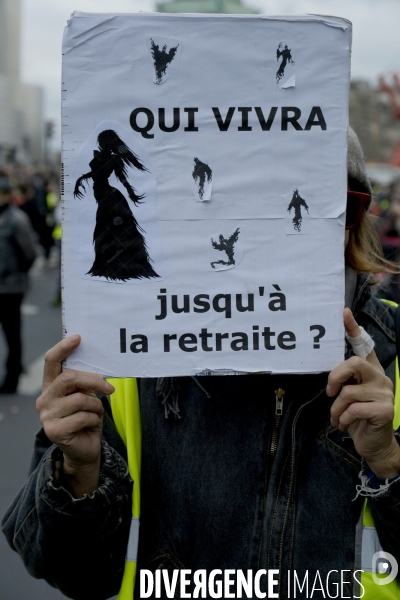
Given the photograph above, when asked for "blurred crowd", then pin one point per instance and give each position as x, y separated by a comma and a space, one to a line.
36, 191
386, 208
29, 220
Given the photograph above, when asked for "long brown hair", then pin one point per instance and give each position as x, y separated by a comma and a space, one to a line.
364, 250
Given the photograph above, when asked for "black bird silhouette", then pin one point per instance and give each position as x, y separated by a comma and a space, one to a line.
297, 202
201, 172
162, 58
227, 245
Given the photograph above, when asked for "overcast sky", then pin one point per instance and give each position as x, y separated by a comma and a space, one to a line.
376, 35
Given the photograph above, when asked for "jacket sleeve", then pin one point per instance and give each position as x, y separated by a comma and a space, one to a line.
385, 509
385, 501
77, 546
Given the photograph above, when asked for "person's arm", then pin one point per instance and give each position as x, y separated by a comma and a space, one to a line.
364, 407
70, 522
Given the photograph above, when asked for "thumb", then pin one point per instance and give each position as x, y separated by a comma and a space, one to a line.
54, 358
353, 330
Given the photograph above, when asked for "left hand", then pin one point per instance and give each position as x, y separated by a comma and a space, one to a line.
365, 407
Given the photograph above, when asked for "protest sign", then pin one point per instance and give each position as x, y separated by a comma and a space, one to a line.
204, 162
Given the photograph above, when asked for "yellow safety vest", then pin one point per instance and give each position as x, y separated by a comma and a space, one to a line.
126, 414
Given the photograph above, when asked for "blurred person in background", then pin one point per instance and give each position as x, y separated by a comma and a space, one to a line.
54, 222
388, 229
17, 254
24, 197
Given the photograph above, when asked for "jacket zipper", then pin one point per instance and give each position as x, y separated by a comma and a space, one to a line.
293, 446
279, 393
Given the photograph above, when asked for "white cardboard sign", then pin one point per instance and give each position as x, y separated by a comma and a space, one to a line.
204, 163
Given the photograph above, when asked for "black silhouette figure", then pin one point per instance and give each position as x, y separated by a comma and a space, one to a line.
286, 58
227, 245
201, 172
119, 244
297, 202
162, 59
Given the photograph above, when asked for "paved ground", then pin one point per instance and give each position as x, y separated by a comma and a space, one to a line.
19, 421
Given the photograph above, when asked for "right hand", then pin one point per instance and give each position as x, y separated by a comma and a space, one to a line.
71, 416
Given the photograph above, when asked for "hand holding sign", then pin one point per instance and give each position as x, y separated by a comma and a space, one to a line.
71, 416
364, 407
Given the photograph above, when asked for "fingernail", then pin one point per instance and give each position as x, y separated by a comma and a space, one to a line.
110, 388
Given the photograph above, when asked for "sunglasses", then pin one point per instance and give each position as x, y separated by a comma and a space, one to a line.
356, 202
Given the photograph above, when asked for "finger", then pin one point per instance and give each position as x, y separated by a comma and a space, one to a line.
348, 395
356, 369
80, 421
351, 325
366, 411
54, 357
71, 381
373, 360
353, 330
70, 405
363, 393
62, 432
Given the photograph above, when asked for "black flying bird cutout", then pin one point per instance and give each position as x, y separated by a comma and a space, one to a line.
285, 53
226, 245
162, 59
297, 202
201, 172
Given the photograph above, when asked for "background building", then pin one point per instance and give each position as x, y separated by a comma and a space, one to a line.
205, 6
375, 116
21, 105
